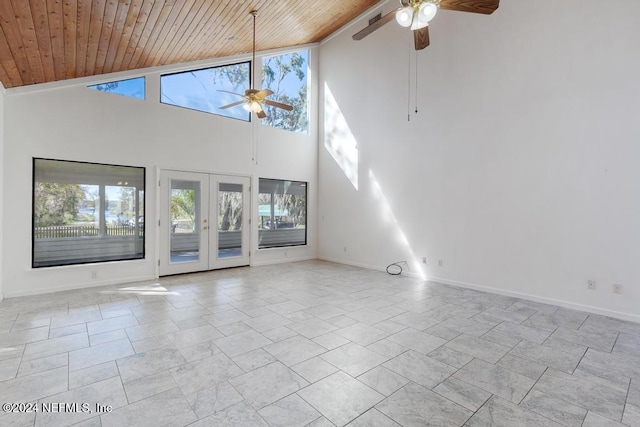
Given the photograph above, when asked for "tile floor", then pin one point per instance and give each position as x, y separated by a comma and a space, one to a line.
312, 344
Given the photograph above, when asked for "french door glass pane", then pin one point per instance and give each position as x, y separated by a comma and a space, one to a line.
185, 230
229, 220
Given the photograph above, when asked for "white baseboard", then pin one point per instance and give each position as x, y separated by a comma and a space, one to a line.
354, 264
405, 271
566, 304
93, 283
282, 261
545, 300
84, 285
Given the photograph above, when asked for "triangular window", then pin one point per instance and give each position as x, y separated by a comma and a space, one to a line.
133, 88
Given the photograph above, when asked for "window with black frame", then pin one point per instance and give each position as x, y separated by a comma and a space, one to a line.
282, 213
208, 89
86, 212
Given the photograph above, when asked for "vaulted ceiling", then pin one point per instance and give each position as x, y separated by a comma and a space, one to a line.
49, 40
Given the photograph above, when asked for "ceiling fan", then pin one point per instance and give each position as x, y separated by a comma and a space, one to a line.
253, 98
417, 14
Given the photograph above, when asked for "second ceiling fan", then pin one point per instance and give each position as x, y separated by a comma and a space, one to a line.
417, 14
254, 98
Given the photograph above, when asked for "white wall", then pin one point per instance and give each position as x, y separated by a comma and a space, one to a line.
520, 170
1, 181
76, 123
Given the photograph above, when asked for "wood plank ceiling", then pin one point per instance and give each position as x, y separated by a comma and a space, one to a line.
50, 40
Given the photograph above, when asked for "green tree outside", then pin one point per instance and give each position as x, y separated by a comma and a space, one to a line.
275, 71
56, 204
183, 205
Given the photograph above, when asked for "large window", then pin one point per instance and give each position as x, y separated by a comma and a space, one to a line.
201, 89
132, 88
286, 76
282, 213
86, 212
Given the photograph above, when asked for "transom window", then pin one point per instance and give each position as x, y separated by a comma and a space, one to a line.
200, 89
132, 88
286, 76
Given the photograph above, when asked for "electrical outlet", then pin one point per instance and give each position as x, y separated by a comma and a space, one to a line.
345, 249
440, 263
94, 274
591, 284
424, 260
617, 288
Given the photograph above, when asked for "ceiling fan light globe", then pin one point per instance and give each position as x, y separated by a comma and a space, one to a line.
255, 106
247, 107
404, 16
418, 25
426, 12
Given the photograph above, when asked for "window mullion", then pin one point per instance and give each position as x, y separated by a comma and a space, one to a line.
102, 227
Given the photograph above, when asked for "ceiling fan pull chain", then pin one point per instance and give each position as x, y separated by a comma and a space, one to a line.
416, 82
409, 86
254, 13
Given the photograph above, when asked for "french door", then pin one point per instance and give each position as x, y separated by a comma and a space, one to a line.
204, 221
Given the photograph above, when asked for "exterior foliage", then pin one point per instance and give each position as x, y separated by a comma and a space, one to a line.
283, 74
183, 205
230, 215
56, 204
286, 76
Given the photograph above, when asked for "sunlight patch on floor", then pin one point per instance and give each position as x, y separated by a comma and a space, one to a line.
154, 289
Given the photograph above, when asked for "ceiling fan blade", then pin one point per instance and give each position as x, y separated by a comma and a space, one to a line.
261, 114
374, 26
232, 93
233, 104
278, 105
421, 38
263, 93
486, 7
